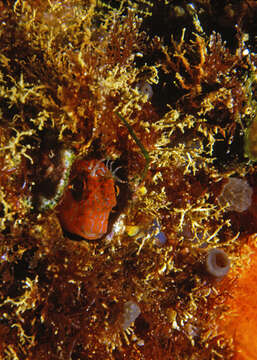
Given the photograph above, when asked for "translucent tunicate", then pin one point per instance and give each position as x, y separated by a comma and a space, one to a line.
67, 157
131, 312
236, 195
145, 89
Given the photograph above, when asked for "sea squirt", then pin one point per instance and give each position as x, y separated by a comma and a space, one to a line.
217, 263
236, 195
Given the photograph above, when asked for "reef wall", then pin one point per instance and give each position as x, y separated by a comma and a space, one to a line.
128, 179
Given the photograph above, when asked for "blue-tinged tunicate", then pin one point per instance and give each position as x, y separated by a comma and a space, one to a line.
159, 236
130, 313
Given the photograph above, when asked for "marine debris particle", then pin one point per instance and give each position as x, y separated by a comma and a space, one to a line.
168, 93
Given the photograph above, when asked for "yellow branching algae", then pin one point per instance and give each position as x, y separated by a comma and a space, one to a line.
159, 100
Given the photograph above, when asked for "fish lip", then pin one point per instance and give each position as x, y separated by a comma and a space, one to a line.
92, 236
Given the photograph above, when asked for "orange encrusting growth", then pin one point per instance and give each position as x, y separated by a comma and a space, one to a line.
240, 322
88, 201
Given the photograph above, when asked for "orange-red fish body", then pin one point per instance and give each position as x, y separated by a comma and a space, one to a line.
88, 200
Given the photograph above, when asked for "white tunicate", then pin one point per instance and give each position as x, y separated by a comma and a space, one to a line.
217, 263
236, 195
130, 313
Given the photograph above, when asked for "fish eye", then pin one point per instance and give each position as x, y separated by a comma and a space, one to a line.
78, 186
